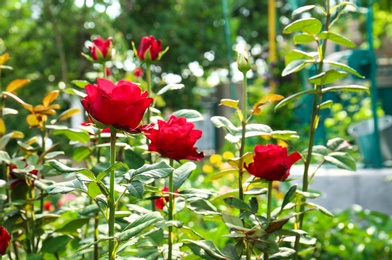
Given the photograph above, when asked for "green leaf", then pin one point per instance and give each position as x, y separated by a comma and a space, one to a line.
303, 9
4, 157
341, 160
72, 226
326, 104
230, 252
106, 171
295, 96
54, 245
350, 88
296, 65
80, 153
170, 87
138, 226
80, 83
338, 144
74, 134
220, 121
299, 55
327, 77
182, 173
337, 38
93, 190
287, 135
190, 115
309, 25
4, 141
256, 191
58, 166
342, 4
237, 203
343, 67
203, 207
234, 220
66, 187
72, 91
149, 171
290, 194
303, 38
307, 194
136, 189
207, 245
319, 208
284, 253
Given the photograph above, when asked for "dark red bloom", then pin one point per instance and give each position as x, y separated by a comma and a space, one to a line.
102, 49
271, 162
121, 105
5, 239
138, 72
161, 202
16, 178
175, 139
149, 48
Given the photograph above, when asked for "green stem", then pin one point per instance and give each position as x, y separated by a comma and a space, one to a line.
242, 147
269, 202
96, 250
171, 217
149, 115
111, 200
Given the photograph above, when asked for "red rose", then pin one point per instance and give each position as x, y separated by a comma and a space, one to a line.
175, 139
161, 202
149, 48
122, 105
271, 162
5, 239
102, 49
138, 73
16, 178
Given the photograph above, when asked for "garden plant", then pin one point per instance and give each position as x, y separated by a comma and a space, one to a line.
134, 184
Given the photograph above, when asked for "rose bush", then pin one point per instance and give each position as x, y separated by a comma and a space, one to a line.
120, 105
175, 139
271, 162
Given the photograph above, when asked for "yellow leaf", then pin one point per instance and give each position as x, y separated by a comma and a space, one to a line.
16, 84
32, 140
247, 158
2, 127
4, 58
32, 120
267, 99
68, 113
20, 101
17, 134
49, 98
230, 103
54, 106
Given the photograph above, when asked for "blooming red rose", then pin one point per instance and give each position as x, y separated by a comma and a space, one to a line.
5, 239
149, 48
160, 203
138, 72
175, 139
271, 162
16, 178
102, 49
121, 105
